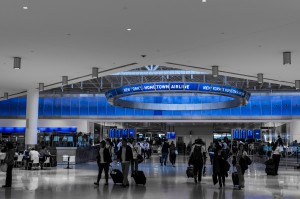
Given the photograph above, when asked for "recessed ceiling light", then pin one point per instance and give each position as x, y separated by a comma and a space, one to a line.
128, 29
203, 1
25, 7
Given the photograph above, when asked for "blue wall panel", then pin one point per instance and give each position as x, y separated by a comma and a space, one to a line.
57, 106
75, 106
93, 109
66, 106
84, 106
259, 105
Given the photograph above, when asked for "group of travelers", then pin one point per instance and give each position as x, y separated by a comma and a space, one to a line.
28, 157
131, 153
128, 154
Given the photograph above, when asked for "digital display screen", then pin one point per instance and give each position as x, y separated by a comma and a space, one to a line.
111, 133
125, 133
171, 135
250, 134
131, 133
257, 134
119, 133
243, 134
236, 133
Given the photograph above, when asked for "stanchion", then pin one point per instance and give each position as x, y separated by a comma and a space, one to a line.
68, 167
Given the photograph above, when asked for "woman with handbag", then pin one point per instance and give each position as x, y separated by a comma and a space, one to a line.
9, 160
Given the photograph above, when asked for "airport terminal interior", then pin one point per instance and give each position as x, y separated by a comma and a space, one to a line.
178, 94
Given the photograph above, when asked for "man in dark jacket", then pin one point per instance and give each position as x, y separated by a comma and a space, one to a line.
103, 161
164, 152
9, 160
125, 156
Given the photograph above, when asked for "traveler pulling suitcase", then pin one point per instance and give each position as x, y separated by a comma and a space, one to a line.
235, 179
139, 178
190, 172
270, 167
116, 176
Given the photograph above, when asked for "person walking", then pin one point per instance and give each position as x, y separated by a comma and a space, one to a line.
241, 166
136, 150
219, 162
197, 158
173, 154
103, 161
9, 160
164, 152
125, 156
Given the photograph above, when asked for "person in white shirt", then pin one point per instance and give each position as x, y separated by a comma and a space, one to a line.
276, 154
136, 150
125, 156
33, 154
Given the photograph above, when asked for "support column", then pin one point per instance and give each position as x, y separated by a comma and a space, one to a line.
32, 108
295, 130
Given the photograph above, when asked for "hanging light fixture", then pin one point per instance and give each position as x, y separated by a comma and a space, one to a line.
5, 96
17, 63
95, 72
215, 71
41, 86
260, 78
64, 80
287, 58
297, 84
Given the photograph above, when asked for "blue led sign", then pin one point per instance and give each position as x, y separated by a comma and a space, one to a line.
237, 95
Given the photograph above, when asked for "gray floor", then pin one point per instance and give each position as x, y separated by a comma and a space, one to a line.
162, 182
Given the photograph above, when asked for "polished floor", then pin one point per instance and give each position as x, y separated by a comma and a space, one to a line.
162, 182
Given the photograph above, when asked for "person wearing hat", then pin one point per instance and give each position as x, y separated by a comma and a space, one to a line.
125, 156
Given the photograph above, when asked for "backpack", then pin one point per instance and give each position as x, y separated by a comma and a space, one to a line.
197, 154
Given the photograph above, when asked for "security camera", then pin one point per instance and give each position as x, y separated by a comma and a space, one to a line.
143, 56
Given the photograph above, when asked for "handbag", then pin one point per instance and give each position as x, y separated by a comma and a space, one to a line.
3, 167
176, 152
140, 158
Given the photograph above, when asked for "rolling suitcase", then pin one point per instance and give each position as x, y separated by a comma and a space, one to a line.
190, 172
270, 167
140, 178
235, 179
116, 176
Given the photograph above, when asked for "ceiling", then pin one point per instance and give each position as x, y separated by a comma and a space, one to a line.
57, 38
